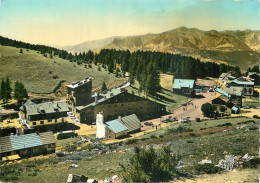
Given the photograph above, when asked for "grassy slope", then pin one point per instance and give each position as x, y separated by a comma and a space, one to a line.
192, 149
33, 69
166, 97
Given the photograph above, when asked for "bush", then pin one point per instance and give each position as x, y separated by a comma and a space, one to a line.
192, 134
153, 136
189, 141
253, 163
160, 136
225, 124
207, 168
256, 116
131, 141
253, 128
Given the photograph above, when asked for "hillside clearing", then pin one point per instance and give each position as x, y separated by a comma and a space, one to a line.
38, 72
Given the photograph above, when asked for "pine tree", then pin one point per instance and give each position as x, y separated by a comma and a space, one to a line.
104, 86
2, 90
8, 90
19, 91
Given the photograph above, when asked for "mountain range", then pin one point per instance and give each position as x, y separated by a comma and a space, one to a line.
239, 48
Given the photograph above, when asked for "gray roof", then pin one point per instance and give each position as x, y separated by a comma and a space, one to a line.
43, 108
79, 83
103, 97
131, 122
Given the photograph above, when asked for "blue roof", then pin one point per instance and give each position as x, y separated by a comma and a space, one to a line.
242, 82
25, 141
222, 92
180, 83
116, 126
234, 108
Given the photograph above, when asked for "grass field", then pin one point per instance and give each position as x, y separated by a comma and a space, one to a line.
166, 97
37, 71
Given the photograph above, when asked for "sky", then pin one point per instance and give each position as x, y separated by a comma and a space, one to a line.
69, 22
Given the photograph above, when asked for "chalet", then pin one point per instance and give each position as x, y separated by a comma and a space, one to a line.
115, 129
44, 113
27, 145
184, 87
248, 86
227, 99
204, 84
115, 102
225, 77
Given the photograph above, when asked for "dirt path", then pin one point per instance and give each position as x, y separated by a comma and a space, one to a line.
235, 176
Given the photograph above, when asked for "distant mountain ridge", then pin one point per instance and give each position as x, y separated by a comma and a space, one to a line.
239, 48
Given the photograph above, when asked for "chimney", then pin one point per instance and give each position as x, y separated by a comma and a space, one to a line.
96, 97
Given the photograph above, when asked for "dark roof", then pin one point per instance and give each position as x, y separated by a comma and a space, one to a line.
131, 122
50, 107
5, 144
103, 97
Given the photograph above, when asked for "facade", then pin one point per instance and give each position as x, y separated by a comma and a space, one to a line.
118, 102
115, 129
44, 113
27, 145
184, 87
203, 85
248, 86
79, 93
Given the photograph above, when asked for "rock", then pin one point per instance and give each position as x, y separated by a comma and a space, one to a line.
76, 178
74, 166
228, 163
92, 180
205, 161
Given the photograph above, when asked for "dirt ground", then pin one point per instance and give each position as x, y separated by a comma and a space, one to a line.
235, 176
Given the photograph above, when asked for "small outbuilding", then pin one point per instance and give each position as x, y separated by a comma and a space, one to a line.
184, 87
115, 129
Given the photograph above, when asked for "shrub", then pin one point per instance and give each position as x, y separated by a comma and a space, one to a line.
160, 136
131, 141
256, 116
50, 72
207, 168
253, 163
189, 141
153, 136
192, 134
253, 128
225, 124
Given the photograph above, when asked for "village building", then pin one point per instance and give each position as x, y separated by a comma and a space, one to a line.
115, 102
203, 85
248, 86
44, 113
27, 145
229, 100
184, 87
115, 129
111, 129
225, 77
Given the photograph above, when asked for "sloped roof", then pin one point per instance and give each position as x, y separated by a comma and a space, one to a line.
131, 122
17, 142
180, 83
25, 141
5, 144
116, 126
47, 138
47, 108
222, 92
242, 82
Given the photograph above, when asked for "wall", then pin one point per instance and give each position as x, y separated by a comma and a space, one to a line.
48, 122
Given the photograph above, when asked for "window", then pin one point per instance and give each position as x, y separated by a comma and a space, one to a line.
34, 123
49, 120
122, 104
41, 122
62, 120
55, 120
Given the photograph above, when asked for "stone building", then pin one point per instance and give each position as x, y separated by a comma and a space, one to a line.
248, 86
115, 102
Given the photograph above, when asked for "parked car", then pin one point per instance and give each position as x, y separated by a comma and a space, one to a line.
148, 123
185, 120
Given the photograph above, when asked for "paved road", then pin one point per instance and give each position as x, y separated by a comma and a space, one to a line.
192, 110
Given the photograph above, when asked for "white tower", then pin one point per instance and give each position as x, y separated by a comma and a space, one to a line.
100, 126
